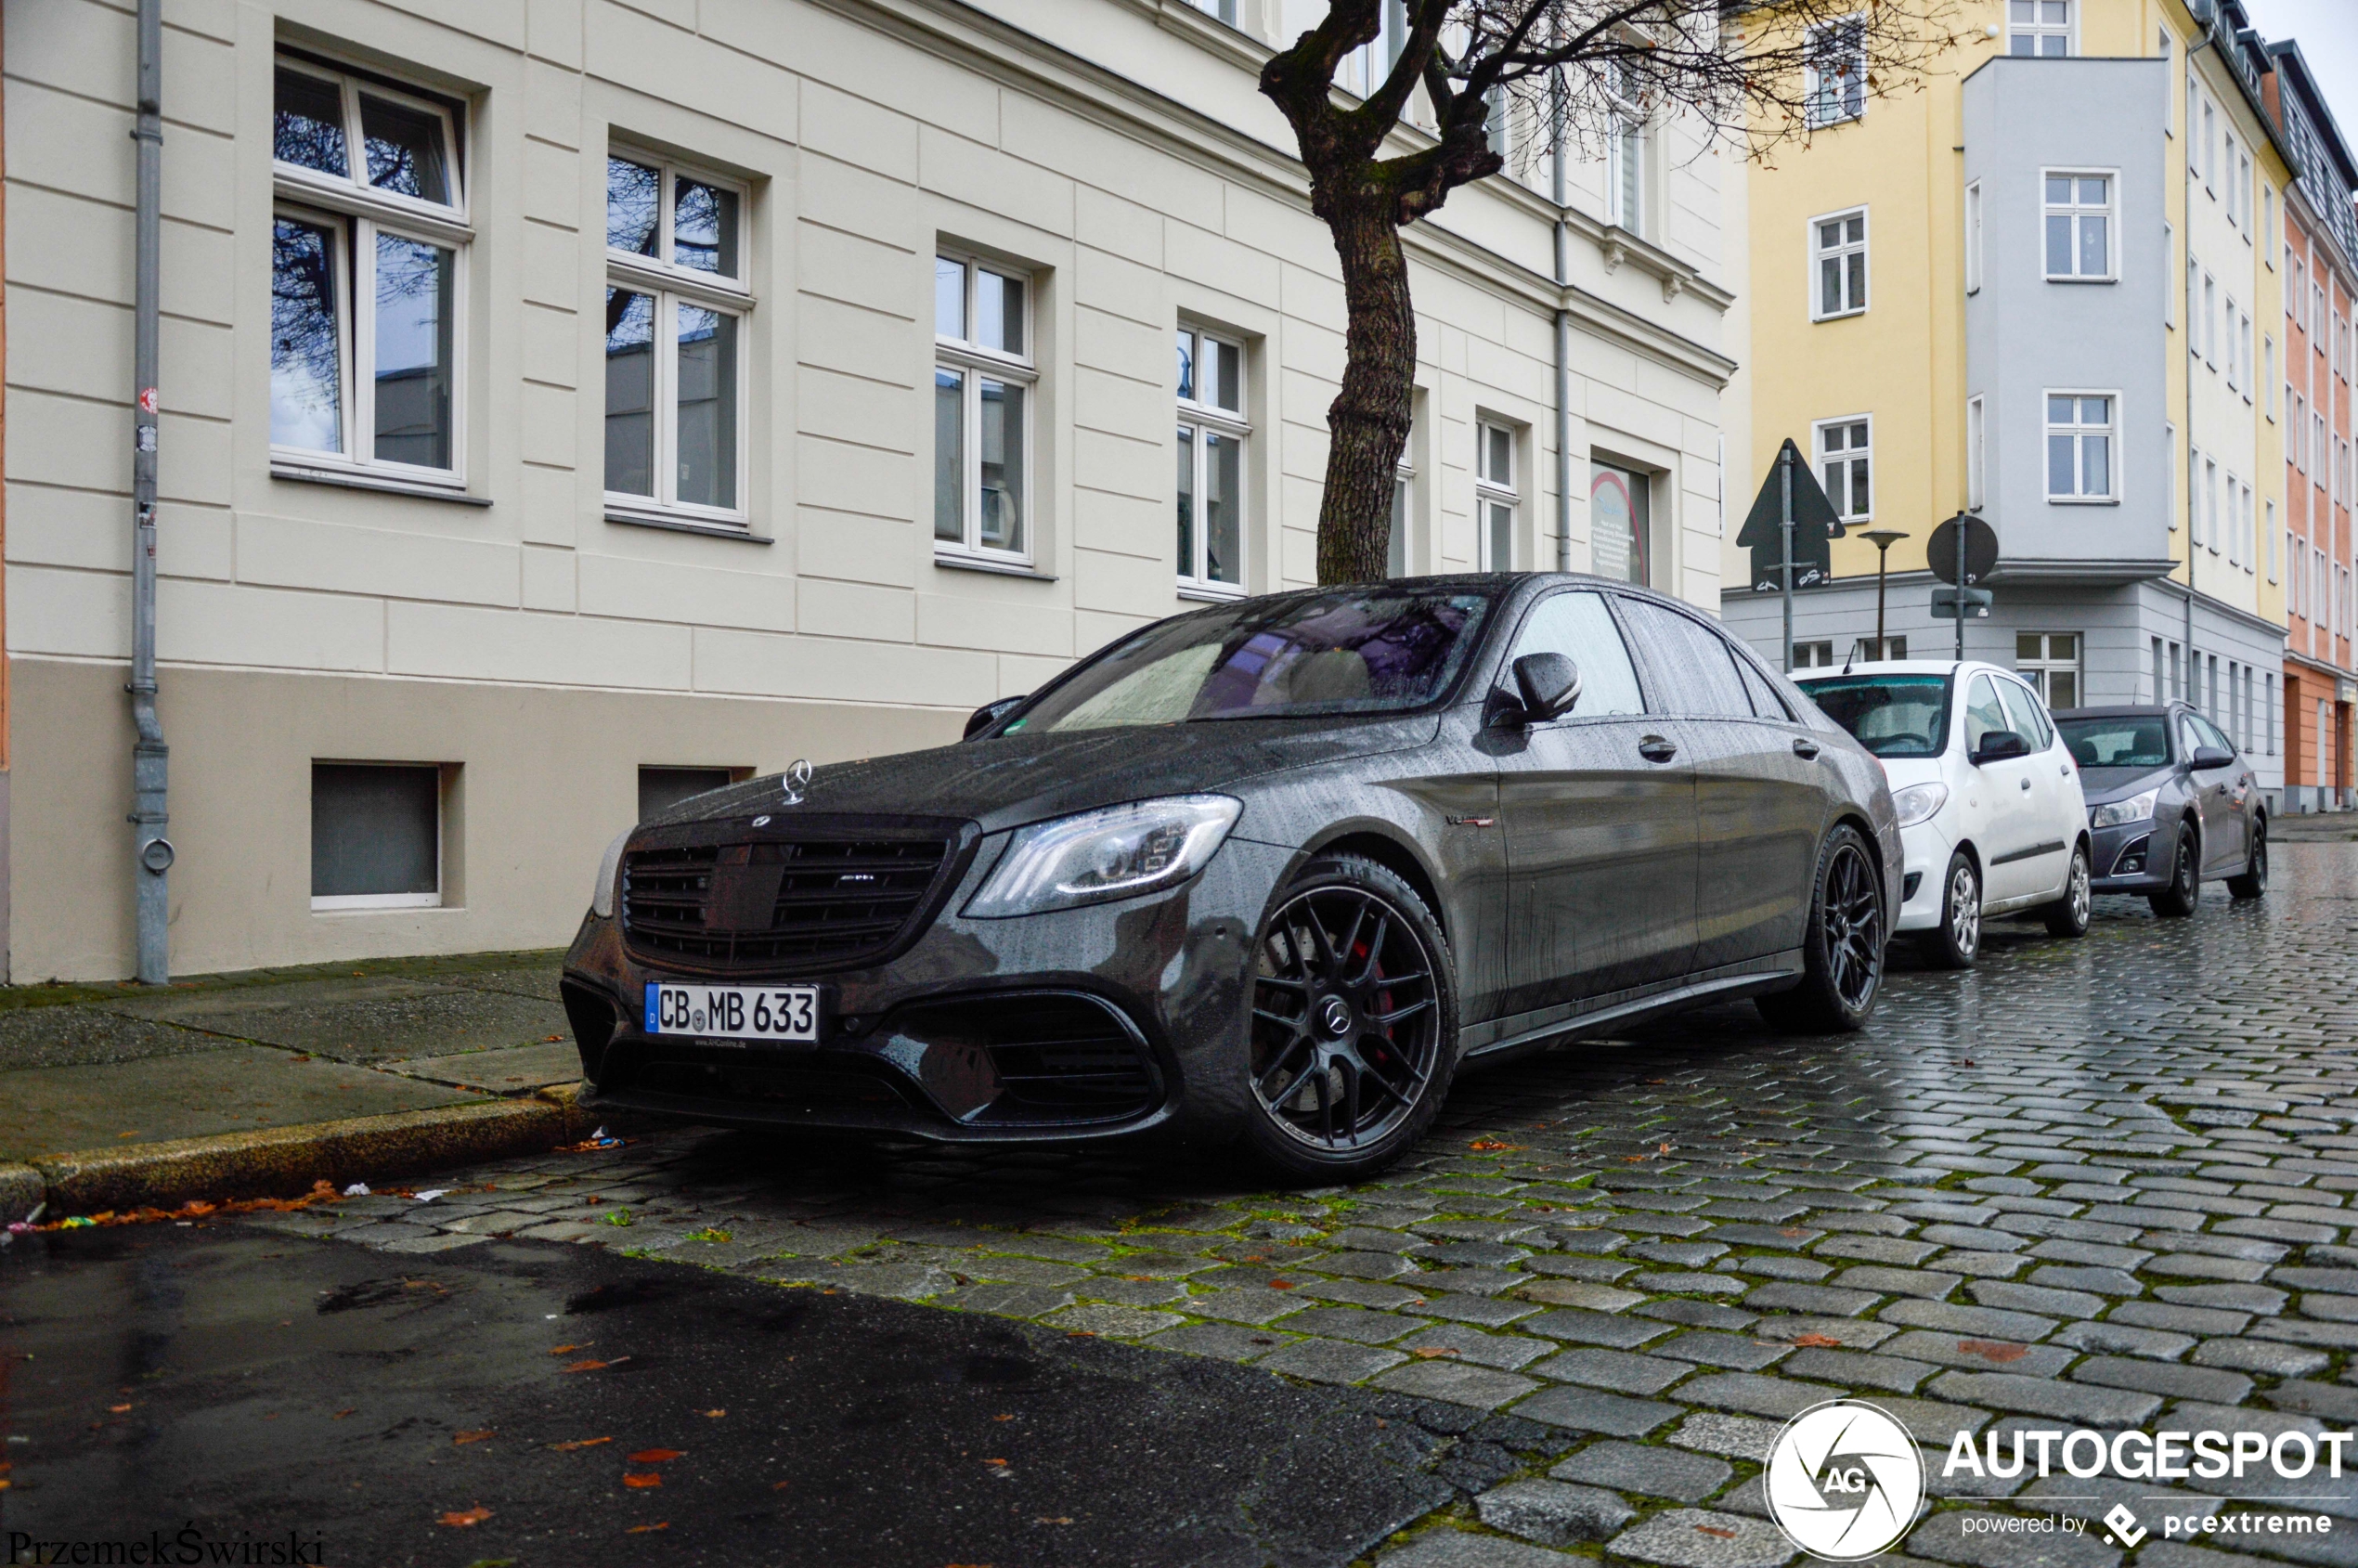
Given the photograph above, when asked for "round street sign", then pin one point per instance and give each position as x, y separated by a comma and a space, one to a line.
1981, 549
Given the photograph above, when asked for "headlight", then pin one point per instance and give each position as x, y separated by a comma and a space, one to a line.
2136, 809
1116, 853
602, 896
1918, 802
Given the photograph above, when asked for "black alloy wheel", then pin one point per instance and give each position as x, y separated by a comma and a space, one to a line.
2067, 917
2253, 881
1843, 950
2178, 901
1956, 942
1355, 1022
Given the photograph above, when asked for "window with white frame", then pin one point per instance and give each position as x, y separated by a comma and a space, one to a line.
983, 385
1403, 490
2276, 540
2268, 370
2192, 94
2208, 327
2243, 194
1495, 496
1845, 459
376, 835
1977, 454
2080, 447
1972, 238
2170, 475
1625, 143
2039, 26
368, 274
2236, 493
2234, 376
1840, 243
2242, 356
2208, 538
2299, 421
1837, 84
2228, 156
2079, 227
676, 305
1225, 11
2049, 661
2210, 145
1212, 431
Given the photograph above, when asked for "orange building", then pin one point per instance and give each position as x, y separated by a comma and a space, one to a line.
2321, 285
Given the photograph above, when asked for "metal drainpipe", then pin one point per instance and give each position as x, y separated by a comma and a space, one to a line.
151, 851
1564, 335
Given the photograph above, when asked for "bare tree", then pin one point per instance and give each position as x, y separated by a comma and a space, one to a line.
1749, 75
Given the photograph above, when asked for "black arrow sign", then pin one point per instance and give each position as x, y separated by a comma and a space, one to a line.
1814, 522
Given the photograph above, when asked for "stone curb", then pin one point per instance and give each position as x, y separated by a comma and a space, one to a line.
284, 1161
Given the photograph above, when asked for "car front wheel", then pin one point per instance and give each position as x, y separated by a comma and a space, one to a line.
1843, 950
2178, 901
2253, 883
1355, 1023
2067, 917
1956, 943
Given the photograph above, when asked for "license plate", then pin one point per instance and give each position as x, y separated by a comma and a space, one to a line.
786, 1013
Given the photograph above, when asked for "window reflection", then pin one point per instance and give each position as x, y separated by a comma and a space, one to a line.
707, 420
949, 454
403, 149
306, 371
309, 128
633, 206
631, 392
1002, 454
412, 382
703, 227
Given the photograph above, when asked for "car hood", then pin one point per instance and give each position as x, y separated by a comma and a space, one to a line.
1011, 780
2104, 784
1905, 770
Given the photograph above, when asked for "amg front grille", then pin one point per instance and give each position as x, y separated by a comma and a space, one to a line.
792, 904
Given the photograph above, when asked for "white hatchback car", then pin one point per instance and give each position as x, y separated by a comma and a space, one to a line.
1991, 813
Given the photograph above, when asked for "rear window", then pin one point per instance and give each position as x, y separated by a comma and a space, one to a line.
1353, 651
1890, 715
2136, 742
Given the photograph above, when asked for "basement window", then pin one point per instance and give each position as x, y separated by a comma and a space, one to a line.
376, 835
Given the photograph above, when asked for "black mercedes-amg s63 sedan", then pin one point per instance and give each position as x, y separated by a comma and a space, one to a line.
1273, 870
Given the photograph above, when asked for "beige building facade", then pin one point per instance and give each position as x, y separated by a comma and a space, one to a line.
569, 404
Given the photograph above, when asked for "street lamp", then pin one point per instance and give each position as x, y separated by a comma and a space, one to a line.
1883, 539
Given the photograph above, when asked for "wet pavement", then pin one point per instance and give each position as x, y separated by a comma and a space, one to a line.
2100, 1183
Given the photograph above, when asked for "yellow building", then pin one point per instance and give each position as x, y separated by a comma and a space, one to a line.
2044, 285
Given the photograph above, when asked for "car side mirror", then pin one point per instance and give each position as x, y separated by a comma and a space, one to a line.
1998, 746
989, 714
2206, 758
1547, 684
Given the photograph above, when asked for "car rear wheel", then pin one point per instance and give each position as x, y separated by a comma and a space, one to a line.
2178, 901
1956, 942
1355, 1023
2067, 917
1843, 950
2253, 883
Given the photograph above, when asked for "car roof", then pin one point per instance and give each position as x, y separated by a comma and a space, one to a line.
1900, 666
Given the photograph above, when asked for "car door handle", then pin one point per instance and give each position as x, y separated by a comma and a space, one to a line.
1803, 748
2025, 784
1653, 748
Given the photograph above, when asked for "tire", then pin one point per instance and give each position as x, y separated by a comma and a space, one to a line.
2067, 917
1354, 1033
1956, 943
2253, 881
2178, 901
1842, 949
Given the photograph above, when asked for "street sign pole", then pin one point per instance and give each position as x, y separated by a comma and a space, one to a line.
1784, 476
1961, 593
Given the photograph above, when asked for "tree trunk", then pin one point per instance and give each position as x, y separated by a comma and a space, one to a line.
1368, 420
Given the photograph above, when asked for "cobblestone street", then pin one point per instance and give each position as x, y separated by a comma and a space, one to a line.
2092, 1184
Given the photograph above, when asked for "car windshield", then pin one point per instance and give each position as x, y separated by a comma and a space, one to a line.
2140, 741
1890, 715
1353, 651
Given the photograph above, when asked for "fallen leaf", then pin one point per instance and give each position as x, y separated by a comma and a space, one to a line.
716, 1415
1715, 1530
1427, 1352
563, 1349
1662, 1149
579, 1443
655, 1456
1999, 1350
1060, 1518
647, 1478
118, 1409
1281, 1285
348, 1410
1081, 1334
1657, 1080
1633, 1160
1816, 1342
1003, 1418
780, 1485
994, 1461
1967, 1061
551, 1039
642, 1529
460, 1438
585, 1366
1487, 1145
466, 1521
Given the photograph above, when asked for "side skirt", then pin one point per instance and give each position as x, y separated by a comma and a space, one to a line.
1521, 1035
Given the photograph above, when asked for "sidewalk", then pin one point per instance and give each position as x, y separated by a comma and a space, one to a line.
260, 1083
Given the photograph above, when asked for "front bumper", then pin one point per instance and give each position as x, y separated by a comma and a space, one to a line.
2131, 857
1924, 851
1101, 1023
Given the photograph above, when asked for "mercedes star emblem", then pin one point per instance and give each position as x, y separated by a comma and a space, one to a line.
797, 778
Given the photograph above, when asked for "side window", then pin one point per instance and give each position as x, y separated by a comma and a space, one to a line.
2189, 738
1983, 713
2213, 735
1693, 668
2024, 716
1765, 700
1579, 627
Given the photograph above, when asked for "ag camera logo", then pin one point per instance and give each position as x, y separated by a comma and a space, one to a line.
1844, 1481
